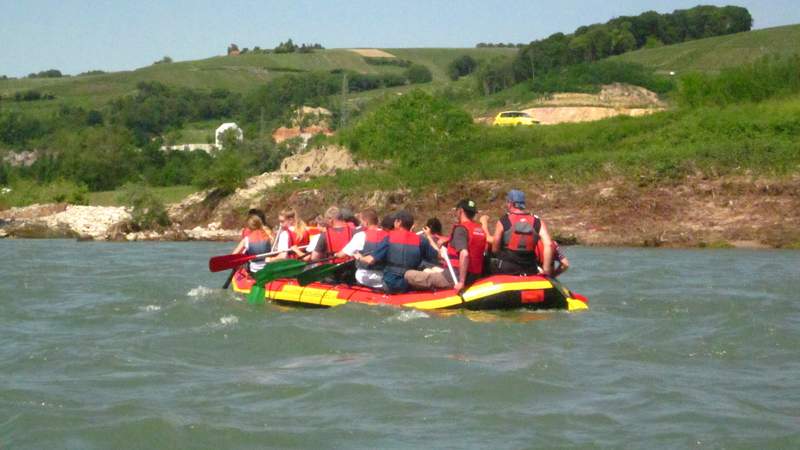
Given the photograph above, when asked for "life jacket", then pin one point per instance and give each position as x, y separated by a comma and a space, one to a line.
300, 239
336, 239
476, 246
404, 252
257, 243
522, 234
372, 239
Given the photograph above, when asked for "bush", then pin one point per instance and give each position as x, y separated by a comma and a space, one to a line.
26, 192
588, 77
52, 73
411, 130
227, 173
147, 210
387, 61
766, 78
418, 73
461, 66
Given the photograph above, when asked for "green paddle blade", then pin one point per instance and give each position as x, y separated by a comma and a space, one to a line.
316, 274
273, 271
256, 295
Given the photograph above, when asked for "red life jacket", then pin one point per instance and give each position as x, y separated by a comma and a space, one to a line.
299, 239
523, 234
336, 239
476, 246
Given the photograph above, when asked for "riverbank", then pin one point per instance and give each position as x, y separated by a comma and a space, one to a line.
741, 211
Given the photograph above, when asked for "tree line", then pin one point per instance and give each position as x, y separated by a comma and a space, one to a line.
627, 33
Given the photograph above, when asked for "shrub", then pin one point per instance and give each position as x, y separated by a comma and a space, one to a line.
26, 191
147, 210
461, 66
766, 78
587, 77
410, 130
418, 73
227, 173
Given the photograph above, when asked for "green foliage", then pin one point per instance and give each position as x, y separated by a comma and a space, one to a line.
766, 78
626, 33
494, 75
25, 192
227, 173
588, 77
164, 60
17, 129
461, 66
32, 95
399, 62
156, 107
417, 73
147, 210
659, 149
52, 73
410, 130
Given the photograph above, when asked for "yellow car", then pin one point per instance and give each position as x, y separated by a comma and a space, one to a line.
513, 118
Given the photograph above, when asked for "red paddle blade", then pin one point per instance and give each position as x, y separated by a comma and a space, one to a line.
225, 262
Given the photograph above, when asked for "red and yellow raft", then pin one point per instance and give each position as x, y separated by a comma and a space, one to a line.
489, 293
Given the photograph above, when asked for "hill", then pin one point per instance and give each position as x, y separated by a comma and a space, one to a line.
235, 73
713, 54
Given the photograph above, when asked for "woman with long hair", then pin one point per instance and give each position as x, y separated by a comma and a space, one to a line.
257, 241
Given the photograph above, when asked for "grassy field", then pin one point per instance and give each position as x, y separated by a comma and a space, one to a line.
239, 74
713, 54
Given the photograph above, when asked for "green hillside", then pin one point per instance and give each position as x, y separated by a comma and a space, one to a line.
713, 54
235, 73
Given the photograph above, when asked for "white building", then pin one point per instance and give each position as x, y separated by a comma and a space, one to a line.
225, 127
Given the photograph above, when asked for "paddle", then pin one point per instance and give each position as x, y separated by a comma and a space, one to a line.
317, 273
225, 262
286, 268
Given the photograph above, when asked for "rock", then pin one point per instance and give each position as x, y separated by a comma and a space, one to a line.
3, 233
319, 161
607, 193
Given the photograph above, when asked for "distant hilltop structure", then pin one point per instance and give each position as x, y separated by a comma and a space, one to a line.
233, 50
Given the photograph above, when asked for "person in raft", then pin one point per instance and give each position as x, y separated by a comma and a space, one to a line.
401, 250
516, 236
365, 242
257, 241
337, 234
435, 227
465, 249
293, 236
253, 212
558, 257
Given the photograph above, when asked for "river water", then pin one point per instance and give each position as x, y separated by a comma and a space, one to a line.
106, 345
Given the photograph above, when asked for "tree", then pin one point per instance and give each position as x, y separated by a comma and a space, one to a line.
461, 66
417, 73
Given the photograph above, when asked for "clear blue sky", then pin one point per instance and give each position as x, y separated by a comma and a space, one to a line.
75, 36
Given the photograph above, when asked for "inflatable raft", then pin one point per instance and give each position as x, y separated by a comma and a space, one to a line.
490, 293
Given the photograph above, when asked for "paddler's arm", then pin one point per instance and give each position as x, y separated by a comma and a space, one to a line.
497, 237
463, 265
378, 255
239, 247
484, 220
547, 243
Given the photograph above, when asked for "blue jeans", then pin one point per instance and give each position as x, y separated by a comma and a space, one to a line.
394, 283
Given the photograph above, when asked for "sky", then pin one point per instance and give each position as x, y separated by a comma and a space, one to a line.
76, 36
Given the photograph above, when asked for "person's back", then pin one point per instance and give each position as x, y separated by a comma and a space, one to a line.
515, 240
258, 240
401, 250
